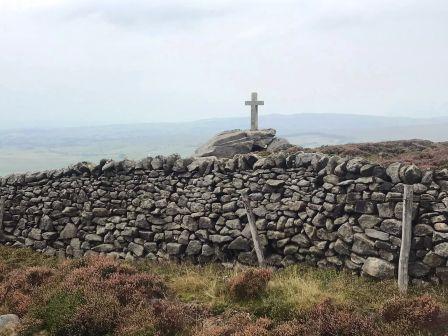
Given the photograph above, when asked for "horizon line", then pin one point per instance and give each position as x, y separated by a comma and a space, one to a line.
224, 118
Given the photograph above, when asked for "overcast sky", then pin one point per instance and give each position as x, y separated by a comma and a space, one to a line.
76, 62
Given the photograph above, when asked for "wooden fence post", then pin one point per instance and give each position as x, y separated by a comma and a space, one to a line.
253, 229
406, 237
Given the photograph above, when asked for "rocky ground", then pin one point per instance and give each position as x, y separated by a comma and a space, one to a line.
41, 295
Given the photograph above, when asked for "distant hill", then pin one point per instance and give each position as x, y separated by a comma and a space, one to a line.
39, 149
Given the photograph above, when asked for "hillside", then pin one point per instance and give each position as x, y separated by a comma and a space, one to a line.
423, 153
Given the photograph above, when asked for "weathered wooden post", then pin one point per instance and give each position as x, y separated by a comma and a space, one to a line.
253, 229
406, 237
2, 211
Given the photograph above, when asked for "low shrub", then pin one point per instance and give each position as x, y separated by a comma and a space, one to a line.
56, 311
325, 319
250, 284
329, 319
259, 327
98, 315
136, 287
174, 318
97, 296
77, 314
121, 280
419, 312
27, 280
290, 328
88, 270
234, 324
161, 318
18, 302
136, 321
17, 289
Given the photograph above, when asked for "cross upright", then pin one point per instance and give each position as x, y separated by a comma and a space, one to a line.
254, 103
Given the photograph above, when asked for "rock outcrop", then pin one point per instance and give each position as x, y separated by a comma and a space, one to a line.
230, 143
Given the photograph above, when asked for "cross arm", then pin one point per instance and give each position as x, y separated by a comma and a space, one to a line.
258, 102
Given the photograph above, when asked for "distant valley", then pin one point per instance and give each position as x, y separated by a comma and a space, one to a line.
24, 150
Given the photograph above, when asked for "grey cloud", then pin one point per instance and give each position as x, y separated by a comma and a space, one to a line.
394, 13
135, 13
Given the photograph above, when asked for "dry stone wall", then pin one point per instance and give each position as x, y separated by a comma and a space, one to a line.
323, 210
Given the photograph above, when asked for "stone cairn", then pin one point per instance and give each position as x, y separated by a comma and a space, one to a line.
323, 210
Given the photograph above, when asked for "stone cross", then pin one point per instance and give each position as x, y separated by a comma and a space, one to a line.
254, 111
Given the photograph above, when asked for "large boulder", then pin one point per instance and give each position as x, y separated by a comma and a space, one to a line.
229, 143
378, 268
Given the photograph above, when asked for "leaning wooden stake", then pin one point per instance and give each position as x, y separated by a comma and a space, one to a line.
253, 230
406, 237
2, 211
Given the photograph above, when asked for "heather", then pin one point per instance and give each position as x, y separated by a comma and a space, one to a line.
103, 296
423, 153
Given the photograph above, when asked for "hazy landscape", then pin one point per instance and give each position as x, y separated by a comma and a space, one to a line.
311, 196
39, 149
